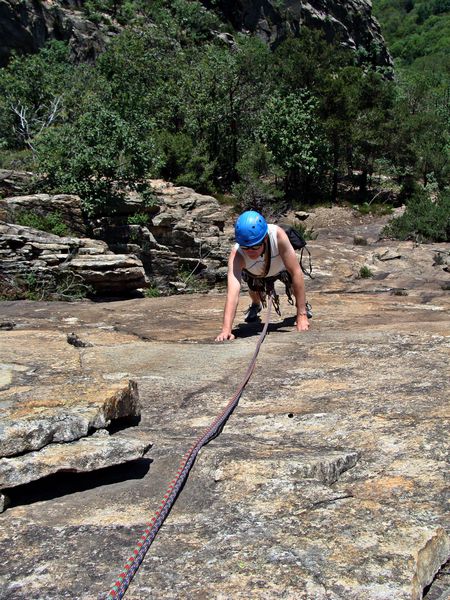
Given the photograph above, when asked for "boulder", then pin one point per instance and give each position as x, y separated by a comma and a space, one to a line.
26, 252
67, 206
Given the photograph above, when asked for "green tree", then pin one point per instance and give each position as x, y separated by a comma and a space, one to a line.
97, 157
420, 145
424, 220
32, 94
302, 63
221, 101
292, 131
371, 103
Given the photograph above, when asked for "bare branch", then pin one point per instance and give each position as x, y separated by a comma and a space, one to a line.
30, 126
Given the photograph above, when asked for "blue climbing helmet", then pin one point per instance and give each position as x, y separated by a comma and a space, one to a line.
250, 228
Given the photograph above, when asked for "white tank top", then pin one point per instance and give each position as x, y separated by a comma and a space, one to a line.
257, 266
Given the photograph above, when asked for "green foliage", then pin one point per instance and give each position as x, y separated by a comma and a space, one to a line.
307, 234
291, 129
421, 141
149, 198
19, 160
31, 93
305, 62
169, 99
51, 223
415, 29
184, 162
56, 285
97, 157
152, 291
424, 220
194, 283
374, 208
258, 177
365, 272
221, 101
138, 219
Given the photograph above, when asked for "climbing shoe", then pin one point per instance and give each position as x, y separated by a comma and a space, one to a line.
308, 310
252, 312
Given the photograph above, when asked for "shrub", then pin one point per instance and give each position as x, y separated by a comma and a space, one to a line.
138, 219
97, 157
19, 160
376, 208
365, 272
152, 292
423, 219
308, 234
194, 283
59, 285
51, 223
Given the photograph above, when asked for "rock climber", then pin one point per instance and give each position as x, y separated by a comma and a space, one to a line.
262, 252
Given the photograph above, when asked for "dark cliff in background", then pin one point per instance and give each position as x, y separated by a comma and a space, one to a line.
348, 21
26, 25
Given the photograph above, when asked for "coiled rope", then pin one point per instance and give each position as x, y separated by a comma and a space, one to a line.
120, 587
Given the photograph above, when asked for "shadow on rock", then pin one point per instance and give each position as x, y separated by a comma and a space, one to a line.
62, 484
245, 330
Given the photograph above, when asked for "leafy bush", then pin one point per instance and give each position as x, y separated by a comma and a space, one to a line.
51, 223
375, 208
152, 292
185, 162
138, 219
194, 283
97, 157
19, 160
257, 188
31, 93
292, 131
365, 272
58, 285
424, 220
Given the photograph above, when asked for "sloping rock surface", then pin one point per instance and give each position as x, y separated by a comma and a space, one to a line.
54, 413
329, 481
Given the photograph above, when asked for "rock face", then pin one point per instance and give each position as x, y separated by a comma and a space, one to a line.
54, 260
85, 455
329, 481
185, 232
349, 21
14, 183
25, 26
184, 237
59, 425
67, 206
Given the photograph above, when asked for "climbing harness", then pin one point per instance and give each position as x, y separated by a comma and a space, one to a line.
123, 581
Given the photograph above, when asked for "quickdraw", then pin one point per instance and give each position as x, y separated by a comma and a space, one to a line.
123, 581
265, 286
